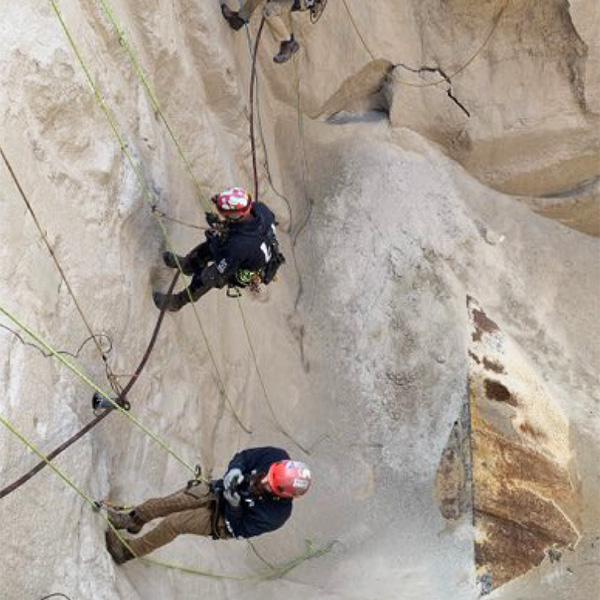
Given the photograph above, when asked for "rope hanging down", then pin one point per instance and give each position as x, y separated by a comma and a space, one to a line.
264, 389
311, 552
52, 455
148, 196
252, 84
109, 374
263, 142
253, 79
152, 96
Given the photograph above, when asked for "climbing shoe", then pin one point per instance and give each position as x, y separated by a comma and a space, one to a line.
287, 49
170, 303
124, 520
170, 259
120, 554
232, 17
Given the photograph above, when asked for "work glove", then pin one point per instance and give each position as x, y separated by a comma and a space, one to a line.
233, 498
232, 478
211, 218
230, 482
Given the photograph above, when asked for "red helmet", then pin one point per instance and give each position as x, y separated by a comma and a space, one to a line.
289, 478
233, 203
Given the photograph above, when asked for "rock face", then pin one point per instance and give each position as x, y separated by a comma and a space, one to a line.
494, 126
510, 89
509, 462
355, 361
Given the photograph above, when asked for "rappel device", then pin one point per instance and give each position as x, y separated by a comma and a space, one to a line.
99, 401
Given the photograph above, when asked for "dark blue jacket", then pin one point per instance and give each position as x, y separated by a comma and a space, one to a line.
244, 244
260, 515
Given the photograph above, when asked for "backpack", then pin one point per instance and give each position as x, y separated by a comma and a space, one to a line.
276, 260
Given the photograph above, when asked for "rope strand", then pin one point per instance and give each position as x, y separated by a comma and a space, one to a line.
148, 195
25, 199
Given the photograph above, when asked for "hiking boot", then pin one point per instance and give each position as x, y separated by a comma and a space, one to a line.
287, 49
123, 520
120, 554
232, 17
170, 303
170, 259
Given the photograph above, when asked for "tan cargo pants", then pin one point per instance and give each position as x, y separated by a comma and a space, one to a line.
191, 510
277, 14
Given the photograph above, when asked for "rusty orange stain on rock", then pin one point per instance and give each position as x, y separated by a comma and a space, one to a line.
491, 365
510, 548
528, 429
524, 497
482, 325
495, 390
474, 357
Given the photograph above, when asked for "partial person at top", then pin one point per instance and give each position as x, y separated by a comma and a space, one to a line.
278, 15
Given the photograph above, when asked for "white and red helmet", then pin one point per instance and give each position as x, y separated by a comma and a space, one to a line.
233, 203
289, 478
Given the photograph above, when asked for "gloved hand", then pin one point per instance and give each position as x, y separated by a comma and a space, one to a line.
232, 497
232, 478
211, 218
230, 482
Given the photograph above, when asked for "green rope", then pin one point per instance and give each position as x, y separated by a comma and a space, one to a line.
274, 573
94, 507
91, 384
152, 96
148, 196
264, 387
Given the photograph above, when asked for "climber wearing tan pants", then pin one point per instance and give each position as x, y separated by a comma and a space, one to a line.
254, 497
278, 15
191, 510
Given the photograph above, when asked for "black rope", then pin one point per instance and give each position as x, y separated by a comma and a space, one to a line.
252, 82
121, 398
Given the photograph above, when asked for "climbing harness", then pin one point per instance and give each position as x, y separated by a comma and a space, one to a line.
250, 279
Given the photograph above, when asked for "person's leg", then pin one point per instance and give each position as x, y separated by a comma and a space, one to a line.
197, 521
248, 8
237, 19
199, 257
185, 499
187, 511
279, 19
197, 288
193, 262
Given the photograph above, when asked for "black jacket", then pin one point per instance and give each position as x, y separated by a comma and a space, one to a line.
243, 245
255, 516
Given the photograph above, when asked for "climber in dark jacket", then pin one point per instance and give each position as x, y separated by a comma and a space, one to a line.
254, 497
235, 249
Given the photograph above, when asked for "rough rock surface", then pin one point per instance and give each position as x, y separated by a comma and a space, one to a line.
361, 346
